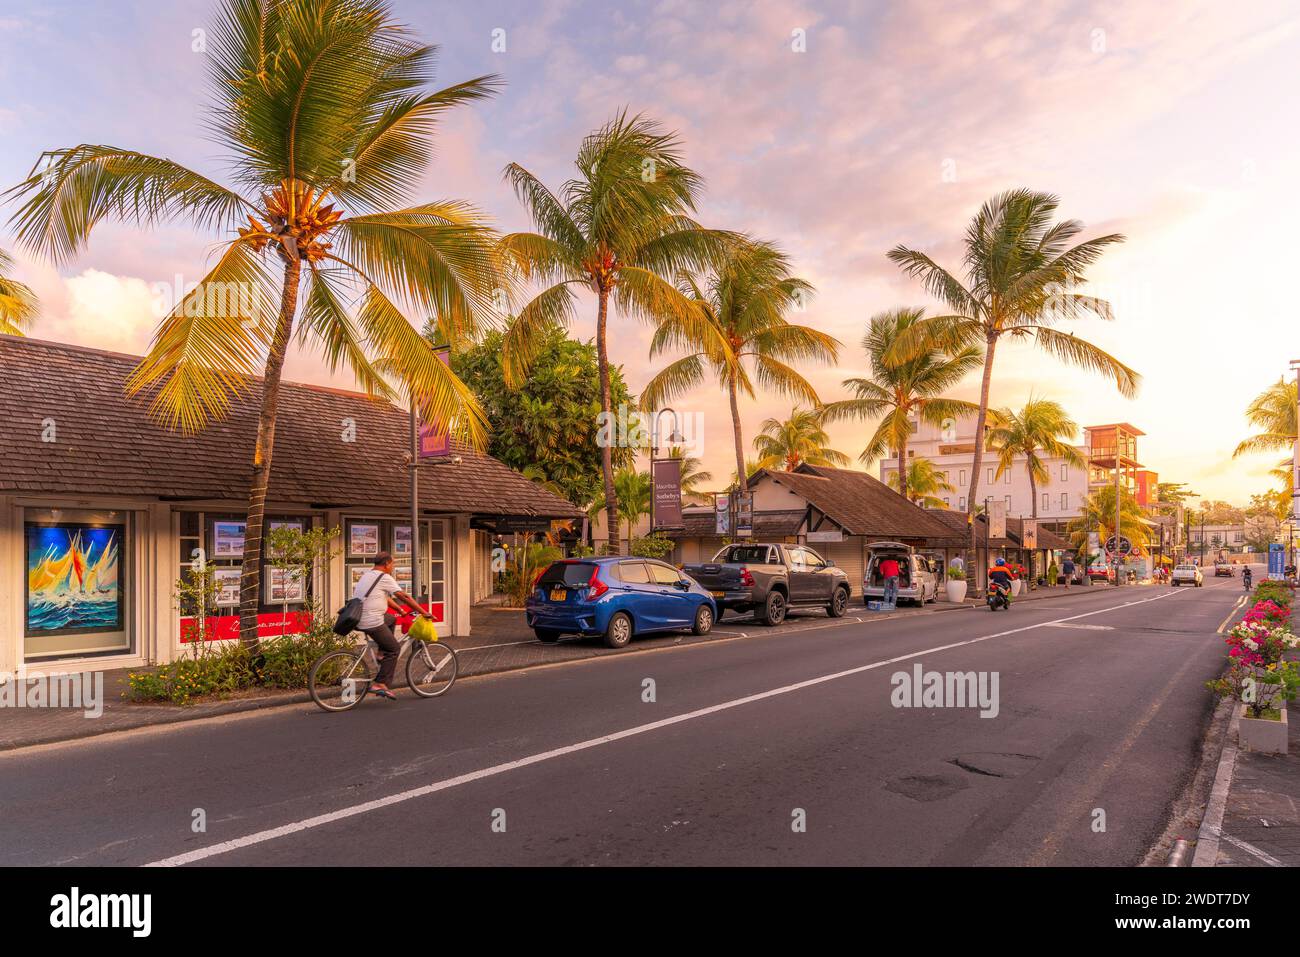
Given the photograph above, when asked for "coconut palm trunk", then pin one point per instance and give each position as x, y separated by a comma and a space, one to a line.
902, 466
980, 418
250, 575
606, 452
742, 480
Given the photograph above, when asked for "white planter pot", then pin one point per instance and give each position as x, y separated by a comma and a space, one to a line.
1015, 587
1262, 734
956, 590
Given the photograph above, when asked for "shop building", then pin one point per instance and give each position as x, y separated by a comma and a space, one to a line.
102, 509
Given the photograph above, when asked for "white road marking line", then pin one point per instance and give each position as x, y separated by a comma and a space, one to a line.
261, 837
1252, 850
1235, 608
1058, 624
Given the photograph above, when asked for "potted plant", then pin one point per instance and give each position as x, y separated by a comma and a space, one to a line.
955, 586
1260, 680
1017, 578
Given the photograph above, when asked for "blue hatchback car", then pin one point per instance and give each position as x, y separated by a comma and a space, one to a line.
616, 598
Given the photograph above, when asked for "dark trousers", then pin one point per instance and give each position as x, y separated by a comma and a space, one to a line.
389, 651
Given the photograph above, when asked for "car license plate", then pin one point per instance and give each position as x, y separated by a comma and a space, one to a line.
718, 594
559, 594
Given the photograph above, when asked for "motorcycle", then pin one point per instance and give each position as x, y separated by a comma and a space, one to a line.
999, 596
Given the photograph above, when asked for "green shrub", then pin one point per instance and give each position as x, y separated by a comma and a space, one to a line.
216, 672
655, 546
1274, 591
956, 573
287, 661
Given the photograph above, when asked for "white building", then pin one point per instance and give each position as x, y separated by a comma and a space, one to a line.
953, 453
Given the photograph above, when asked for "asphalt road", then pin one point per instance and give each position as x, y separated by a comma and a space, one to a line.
1100, 710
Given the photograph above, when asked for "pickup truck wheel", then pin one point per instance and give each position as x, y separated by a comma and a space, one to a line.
774, 610
619, 631
839, 603
546, 635
703, 621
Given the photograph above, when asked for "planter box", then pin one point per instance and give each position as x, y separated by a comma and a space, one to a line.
1016, 585
1262, 734
956, 590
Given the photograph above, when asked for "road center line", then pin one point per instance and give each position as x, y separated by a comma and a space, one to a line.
261, 837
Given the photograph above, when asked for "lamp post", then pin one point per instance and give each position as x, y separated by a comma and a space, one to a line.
673, 438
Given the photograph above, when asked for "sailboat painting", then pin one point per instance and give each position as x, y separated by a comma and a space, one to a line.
74, 578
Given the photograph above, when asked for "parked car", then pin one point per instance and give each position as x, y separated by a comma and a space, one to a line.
1101, 571
918, 581
1223, 570
1187, 575
769, 579
616, 598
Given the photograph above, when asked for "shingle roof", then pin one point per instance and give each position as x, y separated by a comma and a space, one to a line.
105, 443
859, 503
956, 522
767, 525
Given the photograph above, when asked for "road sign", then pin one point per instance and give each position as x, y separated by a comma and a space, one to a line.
1276, 561
1125, 546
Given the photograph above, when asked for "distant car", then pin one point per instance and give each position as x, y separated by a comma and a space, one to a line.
1187, 575
1100, 571
616, 598
918, 582
1223, 570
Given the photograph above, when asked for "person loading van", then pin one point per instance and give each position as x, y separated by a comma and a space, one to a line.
889, 570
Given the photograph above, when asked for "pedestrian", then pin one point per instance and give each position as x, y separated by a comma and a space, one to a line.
889, 570
1067, 569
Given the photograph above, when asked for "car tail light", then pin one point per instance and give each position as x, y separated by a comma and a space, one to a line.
538, 577
595, 587
746, 578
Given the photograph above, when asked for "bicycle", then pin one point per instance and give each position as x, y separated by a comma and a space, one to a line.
341, 679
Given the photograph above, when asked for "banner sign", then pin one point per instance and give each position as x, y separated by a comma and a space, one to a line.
667, 477
435, 439
745, 515
1029, 534
721, 513
1276, 561
998, 519
830, 535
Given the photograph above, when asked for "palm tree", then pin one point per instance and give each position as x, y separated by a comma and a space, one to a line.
922, 480
324, 110
618, 228
693, 473
1022, 277
902, 390
17, 302
751, 466
1038, 433
1098, 515
743, 300
799, 439
1273, 412
633, 489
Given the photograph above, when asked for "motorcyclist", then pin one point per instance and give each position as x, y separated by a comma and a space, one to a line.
1245, 578
1000, 578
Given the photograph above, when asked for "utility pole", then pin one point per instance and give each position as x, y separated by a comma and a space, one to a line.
1117, 452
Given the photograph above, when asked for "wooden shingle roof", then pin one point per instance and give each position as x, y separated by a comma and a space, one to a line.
106, 443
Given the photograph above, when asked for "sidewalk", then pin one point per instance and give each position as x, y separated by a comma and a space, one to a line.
500, 641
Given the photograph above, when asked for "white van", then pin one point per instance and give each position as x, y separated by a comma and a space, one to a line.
918, 580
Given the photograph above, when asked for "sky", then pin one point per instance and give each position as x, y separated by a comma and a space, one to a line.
836, 130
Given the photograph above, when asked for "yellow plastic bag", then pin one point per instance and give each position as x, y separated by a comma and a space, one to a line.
422, 629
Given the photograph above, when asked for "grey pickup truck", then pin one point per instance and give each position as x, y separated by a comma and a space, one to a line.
770, 579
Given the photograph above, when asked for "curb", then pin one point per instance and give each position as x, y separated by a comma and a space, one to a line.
1207, 838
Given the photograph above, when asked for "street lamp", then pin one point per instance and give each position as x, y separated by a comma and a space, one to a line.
673, 438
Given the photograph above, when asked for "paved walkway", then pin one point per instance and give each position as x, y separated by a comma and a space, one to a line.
1261, 823
500, 642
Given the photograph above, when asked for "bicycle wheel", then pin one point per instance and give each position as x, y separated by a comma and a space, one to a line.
339, 680
431, 668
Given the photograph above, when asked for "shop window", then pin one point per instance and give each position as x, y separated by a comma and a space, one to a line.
79, 596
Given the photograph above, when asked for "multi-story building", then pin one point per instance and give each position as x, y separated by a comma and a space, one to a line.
952, 452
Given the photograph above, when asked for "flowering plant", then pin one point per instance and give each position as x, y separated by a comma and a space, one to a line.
1262, 690
1257, 644
1268, 613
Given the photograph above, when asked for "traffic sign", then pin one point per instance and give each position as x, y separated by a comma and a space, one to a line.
1125, 546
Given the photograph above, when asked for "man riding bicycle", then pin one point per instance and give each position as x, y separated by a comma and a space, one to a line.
378, 599
1245, 578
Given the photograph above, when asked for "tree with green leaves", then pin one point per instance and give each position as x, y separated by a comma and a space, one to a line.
795, 441
1173, 493
633, 489
620, 228
17, 302
745, 337
1273, 412
694, 474
1040, 431
326, 114
1023, 275
1098, 515
901, 391
546, 426
923, 483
